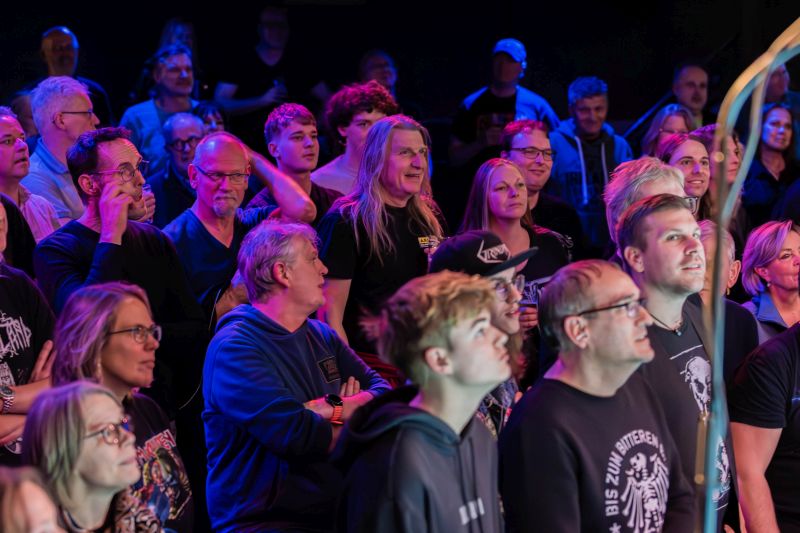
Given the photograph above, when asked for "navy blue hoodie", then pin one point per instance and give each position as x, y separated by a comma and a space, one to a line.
407, 470
267, 454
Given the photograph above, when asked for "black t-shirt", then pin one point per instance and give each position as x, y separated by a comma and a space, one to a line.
553, 254
570, 461
164, 486
764, 394
372, 281
486, 111
322, 197
680, 375
26, 322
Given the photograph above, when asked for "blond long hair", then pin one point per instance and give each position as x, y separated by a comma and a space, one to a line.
365, 204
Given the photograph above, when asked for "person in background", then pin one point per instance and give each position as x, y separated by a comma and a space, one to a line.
25, 502
687, 153
670, 119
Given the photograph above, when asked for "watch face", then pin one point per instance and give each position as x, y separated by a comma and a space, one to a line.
6, 391
334, 400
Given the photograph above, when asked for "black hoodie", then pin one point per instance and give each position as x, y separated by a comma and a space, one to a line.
407, 470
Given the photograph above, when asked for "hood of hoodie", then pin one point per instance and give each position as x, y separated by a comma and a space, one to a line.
248, 318
387, 413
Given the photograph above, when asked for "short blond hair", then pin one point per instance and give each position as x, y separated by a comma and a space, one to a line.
423, 312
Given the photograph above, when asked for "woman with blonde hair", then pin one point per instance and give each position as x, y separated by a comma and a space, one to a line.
80, 439
379, 236
770, 275
670, 119
106, 334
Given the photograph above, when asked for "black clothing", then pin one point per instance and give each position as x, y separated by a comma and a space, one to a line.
26, 322
761, 192
322, 197
173, 195
741, 337
372, 281
407, 470
570, 461
553, 213
19, 240
764, 394
72, 257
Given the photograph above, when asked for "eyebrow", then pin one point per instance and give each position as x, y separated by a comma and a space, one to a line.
478, 321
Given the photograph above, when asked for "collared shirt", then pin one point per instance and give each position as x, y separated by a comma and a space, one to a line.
39, 213
50, 178
770, 322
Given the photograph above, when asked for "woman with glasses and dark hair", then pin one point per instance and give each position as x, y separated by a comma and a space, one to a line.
773, 169
106, 334
687, 153
80, 439
671, 119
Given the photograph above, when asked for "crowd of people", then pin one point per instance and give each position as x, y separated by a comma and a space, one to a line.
235, 315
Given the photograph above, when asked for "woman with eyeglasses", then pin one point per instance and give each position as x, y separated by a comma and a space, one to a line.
78, 436
106, 334
774, 168
687, 153
671, 119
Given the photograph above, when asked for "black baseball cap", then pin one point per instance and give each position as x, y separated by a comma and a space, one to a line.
476, 252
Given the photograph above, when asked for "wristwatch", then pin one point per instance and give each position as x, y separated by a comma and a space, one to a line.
7, 395
335, 401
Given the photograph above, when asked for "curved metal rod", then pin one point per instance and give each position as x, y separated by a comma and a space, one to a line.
752, 81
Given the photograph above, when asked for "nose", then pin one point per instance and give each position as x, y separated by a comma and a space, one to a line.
644, 315
95, 120
416, 161
539, 158
20, 144
500, 338
323, 270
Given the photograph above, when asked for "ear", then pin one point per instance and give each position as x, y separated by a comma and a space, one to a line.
633, 256
193, 178
158, 72
762, 272
272, 148
342, 131
576, 331
88, 185
438, 360
281, 274
733, 274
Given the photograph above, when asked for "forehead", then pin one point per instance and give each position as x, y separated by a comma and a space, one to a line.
80, 100
131, 310
598, 100
779, 113
368, 115
222, 154
615, 285
505, 173
114, 153
9, 125
186, 128
402, 138
60, 39
530, 137
663, 185
177, 60
693, 74
675, 121
503, 57
378, 61
297, 127
656, 224
689, 149
99, 409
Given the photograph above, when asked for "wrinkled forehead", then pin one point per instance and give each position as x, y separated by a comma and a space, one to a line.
9, 124
114, 153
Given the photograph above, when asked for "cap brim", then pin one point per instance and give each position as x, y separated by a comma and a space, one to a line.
513, 261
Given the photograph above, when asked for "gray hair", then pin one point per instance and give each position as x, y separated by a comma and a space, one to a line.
173, 121
626, 181
48, 97
568, 293
708, 230
267, 244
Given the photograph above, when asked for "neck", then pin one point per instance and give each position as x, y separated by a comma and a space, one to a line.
93, 508
667, 308
589, 137
91, 216
772, 159
533, 199
784, 300
302, 178
455, 405
210, 219
503, 90
58, 145
585, 374
172, 103
394, 201
281, 310
10, 187
350, 159
505, 228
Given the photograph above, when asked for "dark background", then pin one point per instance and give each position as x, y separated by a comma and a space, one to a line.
442, 49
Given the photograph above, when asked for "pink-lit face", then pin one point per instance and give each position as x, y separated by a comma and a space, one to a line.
508, 196
536, 169
355, 133
783, 271
406, 168
14, 161
691, 158
296, 148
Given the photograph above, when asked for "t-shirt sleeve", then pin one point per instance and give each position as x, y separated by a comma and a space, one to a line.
762, 387
337, 246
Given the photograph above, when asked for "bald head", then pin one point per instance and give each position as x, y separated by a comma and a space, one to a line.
220, 144
59, 51
219, 175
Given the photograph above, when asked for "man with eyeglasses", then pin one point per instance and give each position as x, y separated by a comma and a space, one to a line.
171, 188
659, 240
483, 253
62, 111
527, 143
174, 82
207, 235
587, 448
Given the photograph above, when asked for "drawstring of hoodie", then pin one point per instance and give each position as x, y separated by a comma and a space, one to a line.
478, 501
584, 179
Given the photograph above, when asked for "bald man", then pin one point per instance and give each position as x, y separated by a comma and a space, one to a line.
209, 233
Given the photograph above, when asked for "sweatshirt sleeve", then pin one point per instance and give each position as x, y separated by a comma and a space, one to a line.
351, 364
245, 387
